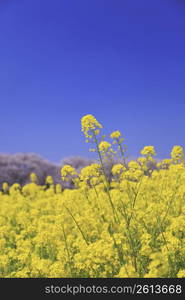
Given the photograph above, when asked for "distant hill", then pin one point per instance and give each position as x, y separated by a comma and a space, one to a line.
18, 167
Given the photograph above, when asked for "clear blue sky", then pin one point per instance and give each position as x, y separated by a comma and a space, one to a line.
121, 60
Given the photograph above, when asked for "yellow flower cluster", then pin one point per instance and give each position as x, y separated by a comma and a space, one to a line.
177, 154
129, 224
104, 146
67, 172
90, 126
90, 174
148, 151
115, 134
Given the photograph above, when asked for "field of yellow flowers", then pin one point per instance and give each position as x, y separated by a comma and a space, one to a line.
129, 224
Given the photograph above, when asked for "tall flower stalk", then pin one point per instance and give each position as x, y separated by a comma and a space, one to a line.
91, 128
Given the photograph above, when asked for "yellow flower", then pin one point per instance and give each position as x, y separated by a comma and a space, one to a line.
90, 126
33, 178
67, 172
115, 134
127, 271
5, 186
133, 165
104, 146
89, 172
117, 169
49, 180
148, 151
181, 274
177, 154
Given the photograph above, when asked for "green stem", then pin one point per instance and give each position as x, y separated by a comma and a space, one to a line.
134, 201
77, 225
122, 152
67, 249
129, 237
107, 185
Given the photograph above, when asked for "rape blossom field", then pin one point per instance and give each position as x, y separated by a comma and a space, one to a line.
130, 223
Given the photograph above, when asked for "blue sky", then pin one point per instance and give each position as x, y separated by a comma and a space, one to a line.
122, 61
